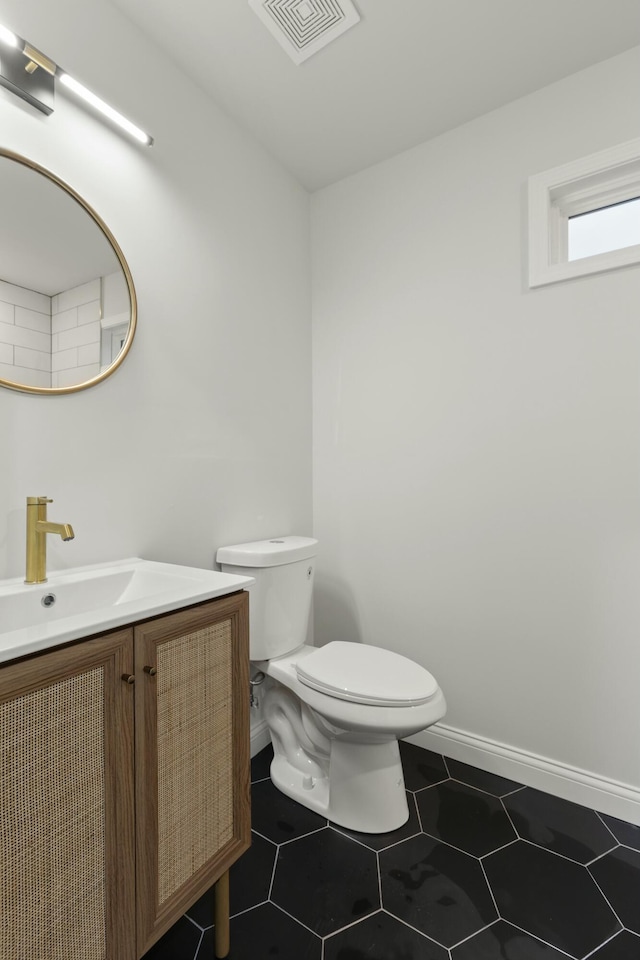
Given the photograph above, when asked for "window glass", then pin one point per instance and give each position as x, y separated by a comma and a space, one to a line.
609, 228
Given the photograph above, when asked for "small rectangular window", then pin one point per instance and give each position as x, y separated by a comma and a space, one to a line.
584, 217
607, 228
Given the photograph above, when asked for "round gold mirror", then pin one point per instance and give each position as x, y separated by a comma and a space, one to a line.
67, 300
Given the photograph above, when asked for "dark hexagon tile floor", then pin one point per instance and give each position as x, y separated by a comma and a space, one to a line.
618, 875
625, 833
501, 941
435, 888
485, 869
382, 937
551, 897
326, 881
559, 825
466, 818
481, 779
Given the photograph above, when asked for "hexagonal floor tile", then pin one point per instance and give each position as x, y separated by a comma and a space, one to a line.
552, 898
422, 768
501, 941
438, 890
381, 937
625, 833
618, 874
559, 825
489, 782
326, 881
278, 817
267, 932
465, 817
378, 841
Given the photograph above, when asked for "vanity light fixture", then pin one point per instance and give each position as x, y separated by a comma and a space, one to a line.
34, 82
31, 79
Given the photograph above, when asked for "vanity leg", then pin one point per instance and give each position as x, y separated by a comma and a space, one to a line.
221, 916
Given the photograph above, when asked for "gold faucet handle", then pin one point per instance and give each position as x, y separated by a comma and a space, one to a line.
35, 501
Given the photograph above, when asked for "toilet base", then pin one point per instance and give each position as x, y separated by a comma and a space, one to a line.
363, 791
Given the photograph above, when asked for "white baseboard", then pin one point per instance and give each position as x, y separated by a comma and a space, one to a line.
588, 789
260, 736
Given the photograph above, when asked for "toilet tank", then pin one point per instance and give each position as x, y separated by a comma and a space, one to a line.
280, 598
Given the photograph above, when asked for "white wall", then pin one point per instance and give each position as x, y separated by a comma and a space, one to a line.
202, 437
477, 443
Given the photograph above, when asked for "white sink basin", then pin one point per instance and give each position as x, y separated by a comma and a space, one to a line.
76, 603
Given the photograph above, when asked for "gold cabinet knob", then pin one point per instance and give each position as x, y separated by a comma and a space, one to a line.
151, 671
128, 678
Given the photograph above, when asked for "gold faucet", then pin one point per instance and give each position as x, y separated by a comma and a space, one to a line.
37, 529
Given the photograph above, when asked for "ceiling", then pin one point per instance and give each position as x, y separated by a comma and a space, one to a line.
408, 71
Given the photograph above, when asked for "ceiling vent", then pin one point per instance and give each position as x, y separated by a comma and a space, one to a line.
302, 27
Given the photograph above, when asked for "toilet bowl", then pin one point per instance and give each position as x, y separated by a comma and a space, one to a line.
335, 713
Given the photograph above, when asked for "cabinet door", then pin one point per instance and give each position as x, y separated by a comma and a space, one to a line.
66, 804
192, 756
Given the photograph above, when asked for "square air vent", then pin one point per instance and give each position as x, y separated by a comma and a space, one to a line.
302, 27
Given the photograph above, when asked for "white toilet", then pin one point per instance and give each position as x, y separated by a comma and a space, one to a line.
335, 713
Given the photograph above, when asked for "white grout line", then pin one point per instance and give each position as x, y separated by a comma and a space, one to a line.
430, 786
354, 923
555, 853
241, 913
379, 879
486, 880
273, 873
497, 850
539, 939
601, 855
310, 833
511, 792
601, 945
296, 919
605, 825
199, 944
475, 934
510, 818
415, 929
605, 898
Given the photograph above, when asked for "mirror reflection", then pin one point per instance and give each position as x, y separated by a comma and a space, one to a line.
67, 304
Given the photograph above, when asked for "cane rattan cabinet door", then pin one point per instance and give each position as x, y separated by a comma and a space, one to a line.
192, 756
66, 804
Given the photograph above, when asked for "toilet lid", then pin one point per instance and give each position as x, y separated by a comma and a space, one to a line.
366, 674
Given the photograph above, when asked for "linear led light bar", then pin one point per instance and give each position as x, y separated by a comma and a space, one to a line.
102, 107
22, 79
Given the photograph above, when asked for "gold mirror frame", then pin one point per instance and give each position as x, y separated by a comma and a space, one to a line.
74, 388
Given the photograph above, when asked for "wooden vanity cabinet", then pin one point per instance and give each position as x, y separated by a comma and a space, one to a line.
192, 757
124, 782
66, 804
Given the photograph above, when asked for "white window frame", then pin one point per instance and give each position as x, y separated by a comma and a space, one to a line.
599, 180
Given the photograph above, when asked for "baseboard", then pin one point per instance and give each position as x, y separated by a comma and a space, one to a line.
588, 789
260, 736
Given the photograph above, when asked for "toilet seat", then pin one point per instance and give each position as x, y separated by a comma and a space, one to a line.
360, 673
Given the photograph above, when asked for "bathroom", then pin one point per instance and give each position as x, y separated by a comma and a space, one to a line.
363, 360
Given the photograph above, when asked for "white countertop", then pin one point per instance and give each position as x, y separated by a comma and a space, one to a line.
99, 597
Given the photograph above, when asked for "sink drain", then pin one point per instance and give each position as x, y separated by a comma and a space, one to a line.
48, 600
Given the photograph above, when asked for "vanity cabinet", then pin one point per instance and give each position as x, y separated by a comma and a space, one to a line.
124, 782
